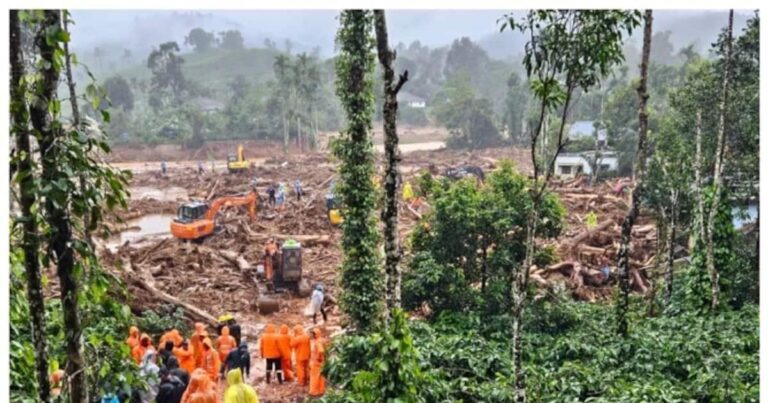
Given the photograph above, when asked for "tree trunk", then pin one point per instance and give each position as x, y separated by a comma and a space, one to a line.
670, 249
714, 276
698, 168
76, 122
639, 171
285, 133
30, 242
517, 357
392, 158
298, 135
60, 239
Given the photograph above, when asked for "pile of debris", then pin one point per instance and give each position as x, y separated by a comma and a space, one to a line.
590, 241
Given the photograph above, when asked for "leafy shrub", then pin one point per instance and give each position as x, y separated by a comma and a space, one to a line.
154, 322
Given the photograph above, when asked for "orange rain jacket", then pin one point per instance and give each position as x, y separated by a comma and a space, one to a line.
211, 362
133, 337
186, 357
301, 346
316, 379
225, 343
284, 345
200, 384
269, 346
171, 335
141, 348
197, 343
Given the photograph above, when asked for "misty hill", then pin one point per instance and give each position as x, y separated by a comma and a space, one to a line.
212, 68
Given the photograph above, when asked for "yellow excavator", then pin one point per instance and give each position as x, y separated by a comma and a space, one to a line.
196, 220
238, 163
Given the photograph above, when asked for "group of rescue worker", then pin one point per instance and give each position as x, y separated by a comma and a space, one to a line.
189, 370
278, 350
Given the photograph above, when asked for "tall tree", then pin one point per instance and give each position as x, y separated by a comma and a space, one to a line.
48, 41
30, 242
200, 39
165, 65
717, 181
360, 275
639, 173
392, 156
578, 47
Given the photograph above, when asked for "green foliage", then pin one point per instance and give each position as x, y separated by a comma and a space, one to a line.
119, 92
105, 323
361, 279
571, 354
474, 234
155, 322
469, 119
441, 286
391, 372
168, 82
231, 39
696, 289
200, 39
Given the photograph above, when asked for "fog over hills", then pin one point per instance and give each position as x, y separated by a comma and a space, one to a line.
114, 31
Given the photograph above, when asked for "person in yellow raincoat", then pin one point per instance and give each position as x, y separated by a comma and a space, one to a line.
407, 191
316, 378
237, 391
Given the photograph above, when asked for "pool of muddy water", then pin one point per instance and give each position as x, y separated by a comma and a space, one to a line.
146, 228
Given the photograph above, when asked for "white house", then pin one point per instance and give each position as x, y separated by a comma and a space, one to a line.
570, 164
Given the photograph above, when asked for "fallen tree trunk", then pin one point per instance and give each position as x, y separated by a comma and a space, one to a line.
145, 281
582, 236
236, 260
213, 190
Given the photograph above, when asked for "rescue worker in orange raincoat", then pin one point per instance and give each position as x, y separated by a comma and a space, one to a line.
56, 378
316, 378
301, 346
200, 397
270, 250
225, 343
284, 344
145, 344
197, 343
171, 335
186, 356
211, 362
133, 337
200, 384
270, 350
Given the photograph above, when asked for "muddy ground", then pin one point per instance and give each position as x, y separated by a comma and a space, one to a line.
209, 277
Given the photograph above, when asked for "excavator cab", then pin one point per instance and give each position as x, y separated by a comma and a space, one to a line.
237, 162
195, 220
192, 211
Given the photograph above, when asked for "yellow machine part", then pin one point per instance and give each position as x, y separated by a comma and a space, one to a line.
335, 217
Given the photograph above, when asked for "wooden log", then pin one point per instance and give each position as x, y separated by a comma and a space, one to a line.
146, 281
213, 190
581, 237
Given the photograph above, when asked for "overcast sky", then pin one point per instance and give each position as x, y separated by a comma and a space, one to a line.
139, 30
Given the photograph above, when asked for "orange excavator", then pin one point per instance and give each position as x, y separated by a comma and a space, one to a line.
196, 220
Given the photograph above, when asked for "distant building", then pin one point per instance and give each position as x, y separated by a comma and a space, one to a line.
411, 100
570, 164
